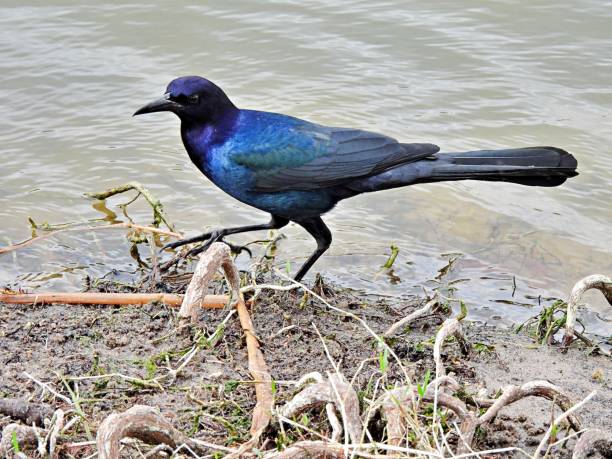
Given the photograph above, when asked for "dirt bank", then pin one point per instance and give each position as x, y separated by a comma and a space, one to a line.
72, 348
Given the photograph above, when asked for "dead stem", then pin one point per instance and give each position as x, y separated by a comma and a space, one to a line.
429, 308
142, 422
48, 388
208, 302
219, 255
511, 394
336, 394
553, 426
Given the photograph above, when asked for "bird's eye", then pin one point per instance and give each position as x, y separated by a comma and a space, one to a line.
194, 99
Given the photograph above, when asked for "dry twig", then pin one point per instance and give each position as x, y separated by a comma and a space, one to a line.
511, 394
334, 391
142, 422
596, 281
209, 301
450, 327
558, 420
394, 404
429, 308
57, 423
219, 255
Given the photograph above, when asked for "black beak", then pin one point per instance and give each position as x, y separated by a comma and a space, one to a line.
163, 104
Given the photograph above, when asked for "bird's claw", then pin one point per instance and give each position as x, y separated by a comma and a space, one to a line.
171, 245
237, 249
199, 249
201, 237
234, 248
210, 238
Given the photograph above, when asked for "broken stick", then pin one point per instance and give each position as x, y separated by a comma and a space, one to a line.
208, 302
218, 256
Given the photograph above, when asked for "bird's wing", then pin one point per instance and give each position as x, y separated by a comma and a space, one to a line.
310, 157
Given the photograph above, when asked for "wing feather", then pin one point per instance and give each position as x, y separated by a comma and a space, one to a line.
311, 156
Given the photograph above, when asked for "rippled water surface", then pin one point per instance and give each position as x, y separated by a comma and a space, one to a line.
460, 74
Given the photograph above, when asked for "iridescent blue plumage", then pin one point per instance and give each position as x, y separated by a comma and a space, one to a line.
297, 170
263, 154
236, 163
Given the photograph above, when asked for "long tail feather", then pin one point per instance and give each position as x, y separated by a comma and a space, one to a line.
533, 166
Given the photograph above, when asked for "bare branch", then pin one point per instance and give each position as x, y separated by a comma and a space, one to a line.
596, 281
209, 301
334, 391
48, 388
543, 389
54, 431
218, 255
425, 310
262, 412
557, 421
450, 327
142, 422
310, 397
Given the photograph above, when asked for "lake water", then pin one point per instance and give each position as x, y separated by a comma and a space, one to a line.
462, 74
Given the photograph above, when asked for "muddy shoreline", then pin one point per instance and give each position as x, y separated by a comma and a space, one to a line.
73, 347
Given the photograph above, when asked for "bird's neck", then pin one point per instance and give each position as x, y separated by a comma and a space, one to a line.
200, 137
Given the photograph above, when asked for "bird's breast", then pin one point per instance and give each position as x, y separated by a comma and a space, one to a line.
213, 159
196, 142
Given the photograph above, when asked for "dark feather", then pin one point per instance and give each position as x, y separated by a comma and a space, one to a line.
350, 154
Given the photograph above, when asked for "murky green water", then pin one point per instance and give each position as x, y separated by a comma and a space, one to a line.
460, 74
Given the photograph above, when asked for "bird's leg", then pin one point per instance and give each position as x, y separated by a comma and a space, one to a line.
275, 222
190, 240
322, 235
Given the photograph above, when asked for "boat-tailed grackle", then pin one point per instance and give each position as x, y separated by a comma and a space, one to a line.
297, 170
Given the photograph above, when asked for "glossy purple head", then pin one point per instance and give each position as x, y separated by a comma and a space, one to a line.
191, 98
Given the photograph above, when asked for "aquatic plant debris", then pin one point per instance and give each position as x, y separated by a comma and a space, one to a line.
159, 216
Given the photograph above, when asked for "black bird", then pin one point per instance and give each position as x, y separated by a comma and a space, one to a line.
297, 170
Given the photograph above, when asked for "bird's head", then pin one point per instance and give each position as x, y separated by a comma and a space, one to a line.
191, 98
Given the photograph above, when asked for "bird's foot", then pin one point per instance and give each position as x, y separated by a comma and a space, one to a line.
237, 249
209, 238
191, 240
234, 248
